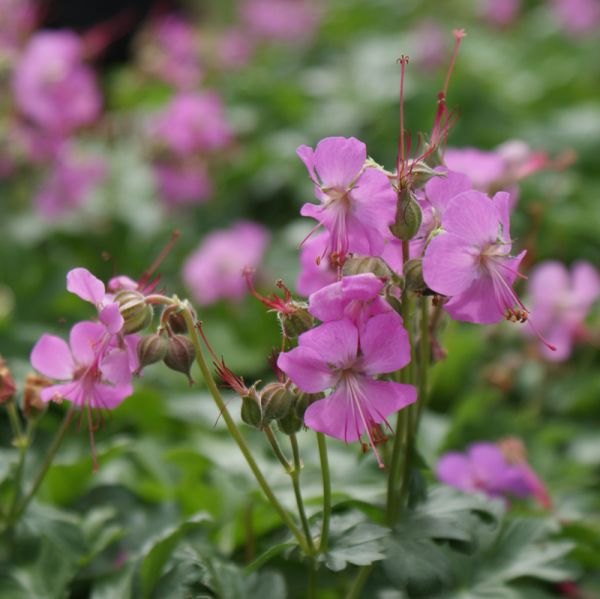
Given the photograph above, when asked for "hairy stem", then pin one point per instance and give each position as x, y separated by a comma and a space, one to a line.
326, 476
236, 434
295, 474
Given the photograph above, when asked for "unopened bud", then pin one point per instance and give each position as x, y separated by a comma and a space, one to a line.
304, 400
176, 321
251, 412
421, 173
180, 355
32, 401
364, 264
136, 313
151, 349
296, 323
276, 400
290, 423
413, 275
408, 217
7, 383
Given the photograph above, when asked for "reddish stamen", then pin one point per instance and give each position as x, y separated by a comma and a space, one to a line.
401, 158
143, 280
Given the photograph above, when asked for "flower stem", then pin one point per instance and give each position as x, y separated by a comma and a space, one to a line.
23, 447
295, 474
277, 449
326, 475
15, 423
423, 361
363, 574
235, 433
54, 446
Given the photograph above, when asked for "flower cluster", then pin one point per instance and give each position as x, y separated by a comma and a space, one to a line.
184, 135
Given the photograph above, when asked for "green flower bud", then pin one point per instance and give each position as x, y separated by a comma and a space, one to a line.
408, 217
413, 275
296, 323
364, 264
421, 173
136, 313
251, 412
290, 423
303, 401
276, 400
180, 355
151, 349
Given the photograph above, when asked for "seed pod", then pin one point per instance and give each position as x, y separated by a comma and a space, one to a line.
180, 355
7, 383
177, 322
296, 323
408, 217
364, 264
136, 313
413, 275
275, 400
151, 349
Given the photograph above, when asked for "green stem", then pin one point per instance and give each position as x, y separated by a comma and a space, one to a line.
295, 474
277, 449
359, 582
15, 422
54, 446
23, 447
311, 591
235, 433
326, 475
423, 361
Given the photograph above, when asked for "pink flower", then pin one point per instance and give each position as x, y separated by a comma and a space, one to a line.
356, 298
490, 469
484, 168
192, 122
357, 204
338, 356
69, 180
316, 270
183, 182
429, 42
433, 200
280, 20
52, 85
215, 270
470, 261
17, 18
173, 53
234, 48
96, 374
561, 301
85, 285
501, 12
577, 17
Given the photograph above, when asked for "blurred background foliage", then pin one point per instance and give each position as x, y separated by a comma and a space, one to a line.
164, 457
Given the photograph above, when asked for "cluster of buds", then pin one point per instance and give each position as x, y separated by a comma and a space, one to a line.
31, 404
175, 351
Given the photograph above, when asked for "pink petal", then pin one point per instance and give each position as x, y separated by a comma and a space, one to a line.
454, 469
306, 154
115, 367
548, 281
68, 391
338, 160
472, 216
86, 340
83, 283
334, 342
440, 190
307, 369
334, 416
586, 284
111, 318
476, 304
52, 357
450, 264
384, 344
109, 397
503, 202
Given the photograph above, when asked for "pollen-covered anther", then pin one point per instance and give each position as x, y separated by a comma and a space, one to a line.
516, 315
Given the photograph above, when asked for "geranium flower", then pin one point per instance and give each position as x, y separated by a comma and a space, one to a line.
561, 302
339, 357
358, 204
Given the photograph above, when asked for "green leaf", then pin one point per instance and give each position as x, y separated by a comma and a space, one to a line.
352, 540
157, 552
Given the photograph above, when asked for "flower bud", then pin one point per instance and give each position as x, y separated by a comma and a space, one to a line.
7, 383
408, 217
303, 401
421, 173
276, 400
176, 321
251, 412
180, 355
32, 401
413, 275
151, 349
290, 423
136, 313
364, 264
296, 323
